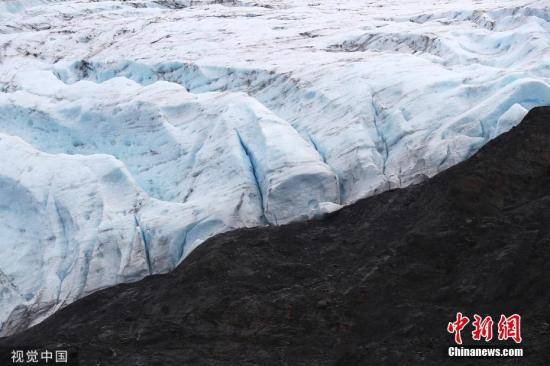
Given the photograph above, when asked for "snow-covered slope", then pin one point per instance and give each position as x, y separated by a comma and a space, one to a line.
132, 131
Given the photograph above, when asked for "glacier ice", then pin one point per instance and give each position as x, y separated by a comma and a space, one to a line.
132, 131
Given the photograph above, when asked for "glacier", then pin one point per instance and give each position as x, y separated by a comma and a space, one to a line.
132, 131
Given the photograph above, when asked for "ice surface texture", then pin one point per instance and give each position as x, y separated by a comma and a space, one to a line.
132, 131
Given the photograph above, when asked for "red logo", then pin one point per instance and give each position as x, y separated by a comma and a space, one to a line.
483, 328
508, 328
457, 326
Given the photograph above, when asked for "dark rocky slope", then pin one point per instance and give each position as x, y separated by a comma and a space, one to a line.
373, 284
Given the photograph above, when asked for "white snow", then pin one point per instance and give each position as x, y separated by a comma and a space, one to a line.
131, 131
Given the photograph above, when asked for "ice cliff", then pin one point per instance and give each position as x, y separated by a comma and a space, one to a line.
132, 131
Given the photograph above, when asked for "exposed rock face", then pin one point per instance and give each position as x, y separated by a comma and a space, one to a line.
373, 284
